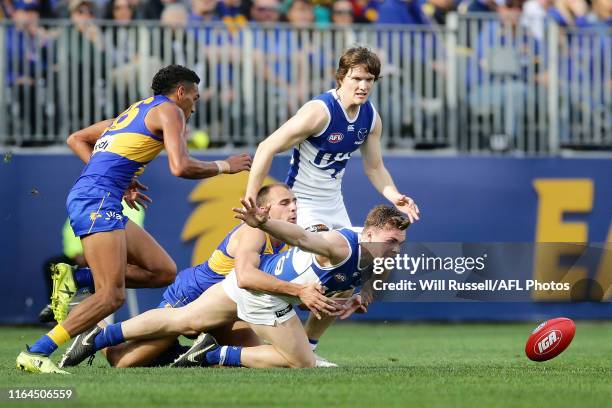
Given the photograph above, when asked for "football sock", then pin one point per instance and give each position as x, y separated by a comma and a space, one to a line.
111, 335
84, 279
48, 343
225, 356
313, 344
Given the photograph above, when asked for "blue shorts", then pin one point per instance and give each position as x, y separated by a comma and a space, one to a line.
93, 209
189, 284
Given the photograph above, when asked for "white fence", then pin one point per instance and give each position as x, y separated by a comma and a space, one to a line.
477, 83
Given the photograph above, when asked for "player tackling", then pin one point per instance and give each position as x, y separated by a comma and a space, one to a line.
324, 134
336, 260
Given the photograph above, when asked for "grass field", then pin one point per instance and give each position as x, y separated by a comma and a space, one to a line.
406, 365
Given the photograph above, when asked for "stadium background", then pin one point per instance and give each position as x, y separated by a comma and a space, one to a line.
497, 120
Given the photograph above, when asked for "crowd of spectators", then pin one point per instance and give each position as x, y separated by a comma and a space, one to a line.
280, 61
578, 13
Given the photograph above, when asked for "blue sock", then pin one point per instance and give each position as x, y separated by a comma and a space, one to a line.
44, 345
84, 279
225, 356
313, 343
111, 335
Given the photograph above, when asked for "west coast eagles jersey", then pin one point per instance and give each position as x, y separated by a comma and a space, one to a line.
124, 149
222, 263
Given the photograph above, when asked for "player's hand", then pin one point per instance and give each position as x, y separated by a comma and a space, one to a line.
407, 205
238, 163
354, 305
313, 298
366, 293
251, 214
133, 196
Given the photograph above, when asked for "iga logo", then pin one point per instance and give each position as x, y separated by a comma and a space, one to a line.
113, 215
335, 138
548, 342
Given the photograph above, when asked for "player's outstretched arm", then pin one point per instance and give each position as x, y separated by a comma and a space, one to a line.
249, 276
380, 178
331, 244
309, 120
172, 122
82, 141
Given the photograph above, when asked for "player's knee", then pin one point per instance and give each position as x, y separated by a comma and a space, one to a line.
306, 360
112, 299
167, 273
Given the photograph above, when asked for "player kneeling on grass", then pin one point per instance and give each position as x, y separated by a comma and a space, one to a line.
333, 260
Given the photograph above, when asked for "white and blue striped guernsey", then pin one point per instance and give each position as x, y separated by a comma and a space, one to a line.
301, 267
318, 163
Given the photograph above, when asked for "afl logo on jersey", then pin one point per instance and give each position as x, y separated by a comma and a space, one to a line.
335, 138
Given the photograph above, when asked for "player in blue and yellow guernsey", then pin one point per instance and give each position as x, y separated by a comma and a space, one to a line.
242, 247
116, 152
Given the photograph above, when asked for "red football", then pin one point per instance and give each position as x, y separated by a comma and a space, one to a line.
550, 338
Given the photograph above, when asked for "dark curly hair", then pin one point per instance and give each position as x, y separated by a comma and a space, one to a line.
168, 78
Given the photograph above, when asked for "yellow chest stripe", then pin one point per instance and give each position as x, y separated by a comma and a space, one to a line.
136, 147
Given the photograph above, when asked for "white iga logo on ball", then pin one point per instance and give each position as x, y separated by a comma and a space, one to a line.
548, 342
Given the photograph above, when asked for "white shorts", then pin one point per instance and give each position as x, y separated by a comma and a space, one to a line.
257, 307
312, 213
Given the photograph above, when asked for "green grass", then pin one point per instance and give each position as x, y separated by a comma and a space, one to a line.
406, 365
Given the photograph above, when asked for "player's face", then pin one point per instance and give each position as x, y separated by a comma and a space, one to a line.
386, 241
357, 85
188, 95
283, 205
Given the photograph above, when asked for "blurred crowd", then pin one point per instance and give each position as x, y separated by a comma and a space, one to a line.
579, 13
46, 66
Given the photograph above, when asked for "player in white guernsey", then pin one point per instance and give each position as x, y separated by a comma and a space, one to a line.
324, 133
333, 260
